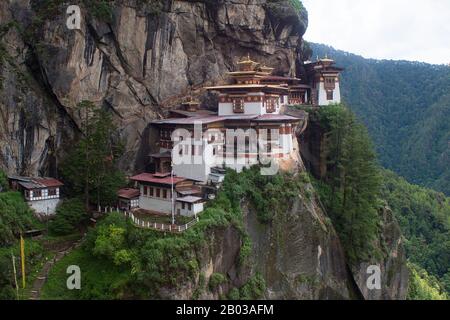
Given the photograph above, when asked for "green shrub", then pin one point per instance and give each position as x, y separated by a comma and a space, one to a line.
100, 9
234, 294
33, 255
423, 286
70, 214
253, 289
216, 280
15, 216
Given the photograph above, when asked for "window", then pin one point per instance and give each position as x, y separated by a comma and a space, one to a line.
158, 192
164, 193
329, 83
37, 193
151, 192
51, 192
189, 206
183, 205
329, 95
271, 105
145, 190
238, 105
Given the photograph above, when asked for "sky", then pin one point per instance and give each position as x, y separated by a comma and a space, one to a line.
383, 29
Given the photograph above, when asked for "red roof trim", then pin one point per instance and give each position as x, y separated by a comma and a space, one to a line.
128, 193
148, 177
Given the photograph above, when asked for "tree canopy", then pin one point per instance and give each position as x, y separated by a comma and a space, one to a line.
90, 167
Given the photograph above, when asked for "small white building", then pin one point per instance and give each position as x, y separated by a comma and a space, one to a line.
41, 194
128, 198
189, 206
155, 194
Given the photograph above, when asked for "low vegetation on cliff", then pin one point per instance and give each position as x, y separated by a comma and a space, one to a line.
140, 263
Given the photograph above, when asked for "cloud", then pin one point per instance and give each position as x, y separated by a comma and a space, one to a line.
383, 29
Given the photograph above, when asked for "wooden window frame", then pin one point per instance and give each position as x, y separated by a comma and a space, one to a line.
330, 95
238, 105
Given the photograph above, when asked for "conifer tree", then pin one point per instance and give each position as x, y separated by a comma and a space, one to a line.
90, 167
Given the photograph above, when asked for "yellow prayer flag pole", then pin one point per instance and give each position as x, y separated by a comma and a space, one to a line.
22, 259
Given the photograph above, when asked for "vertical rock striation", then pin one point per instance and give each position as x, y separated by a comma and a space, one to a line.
144, 58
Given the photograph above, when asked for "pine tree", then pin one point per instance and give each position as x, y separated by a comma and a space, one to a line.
90, 167
353, 179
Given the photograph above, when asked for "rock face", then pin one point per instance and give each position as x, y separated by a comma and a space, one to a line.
136, 63
299, 254
394, 271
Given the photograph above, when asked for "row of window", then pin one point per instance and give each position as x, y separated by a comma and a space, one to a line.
39, 193
271, 104
157, 192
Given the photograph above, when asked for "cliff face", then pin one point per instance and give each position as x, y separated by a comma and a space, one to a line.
143, 59
297, 254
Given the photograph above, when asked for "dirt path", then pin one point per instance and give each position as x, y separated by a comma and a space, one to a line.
38, 284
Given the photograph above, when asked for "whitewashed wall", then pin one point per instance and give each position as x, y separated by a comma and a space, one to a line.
323, 95
196, 209
40, 206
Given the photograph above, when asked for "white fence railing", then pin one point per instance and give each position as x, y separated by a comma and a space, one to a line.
146, 224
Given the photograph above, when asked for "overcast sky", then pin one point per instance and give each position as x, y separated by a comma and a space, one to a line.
383, 29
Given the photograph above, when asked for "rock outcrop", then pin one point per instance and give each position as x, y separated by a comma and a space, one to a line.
299, 254
137, 62
394, 271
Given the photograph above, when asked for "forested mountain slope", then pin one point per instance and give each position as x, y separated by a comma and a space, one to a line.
406, 106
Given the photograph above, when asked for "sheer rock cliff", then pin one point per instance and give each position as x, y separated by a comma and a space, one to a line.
137, 62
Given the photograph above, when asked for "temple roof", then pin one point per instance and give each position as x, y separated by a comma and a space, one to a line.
190, 199
148, 177
279, 78
212, 119
246, 86
192, 113
37, 183
189, 121
275, 117
128, 193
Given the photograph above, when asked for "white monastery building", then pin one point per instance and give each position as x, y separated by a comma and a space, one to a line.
41, 194
248, 128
